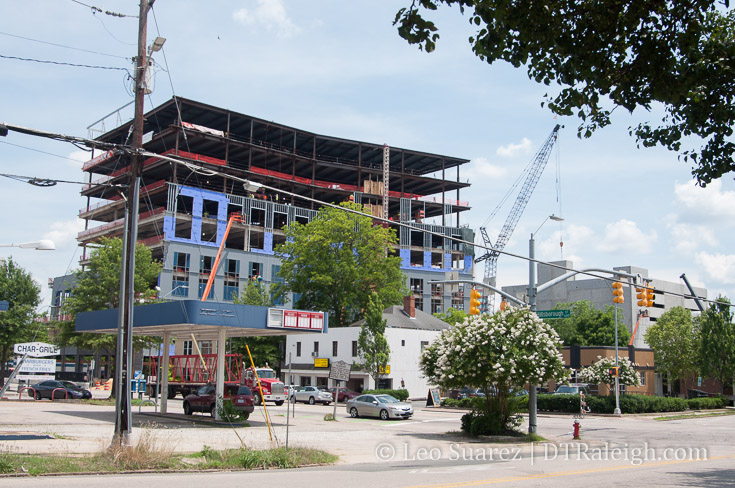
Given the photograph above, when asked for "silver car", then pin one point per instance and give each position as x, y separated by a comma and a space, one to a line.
383, 406
311, 395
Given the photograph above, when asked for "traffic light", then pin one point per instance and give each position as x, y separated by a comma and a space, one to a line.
475, 296
613, 371
641, 296
650, 296
618, 292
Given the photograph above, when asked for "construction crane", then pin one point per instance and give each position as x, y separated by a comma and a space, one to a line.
533, 171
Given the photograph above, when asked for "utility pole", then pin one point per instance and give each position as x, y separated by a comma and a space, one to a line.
123, 417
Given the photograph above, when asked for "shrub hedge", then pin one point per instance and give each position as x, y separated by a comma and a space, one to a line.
401, 395
705, 403
605, 404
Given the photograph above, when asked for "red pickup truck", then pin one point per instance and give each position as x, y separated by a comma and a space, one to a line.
205, 400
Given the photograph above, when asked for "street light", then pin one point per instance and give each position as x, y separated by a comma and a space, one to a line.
532, 305
42, 245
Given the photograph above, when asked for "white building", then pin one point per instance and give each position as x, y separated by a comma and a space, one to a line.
408, 331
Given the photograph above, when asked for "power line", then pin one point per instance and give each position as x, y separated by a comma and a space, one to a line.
62, 45
39, 151
96, 10
62, 63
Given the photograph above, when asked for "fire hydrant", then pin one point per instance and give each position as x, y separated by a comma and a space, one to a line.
577, 425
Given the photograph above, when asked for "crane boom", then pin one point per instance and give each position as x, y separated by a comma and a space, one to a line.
534, 173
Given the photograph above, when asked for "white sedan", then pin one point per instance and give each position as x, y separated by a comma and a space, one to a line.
311, 395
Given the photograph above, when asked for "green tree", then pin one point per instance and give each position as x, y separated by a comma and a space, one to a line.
589, 326
98, 288
337, 260
372, 346
264, 349
611, 54
506, 350
452, 316
674, 345
23, 296
716, 333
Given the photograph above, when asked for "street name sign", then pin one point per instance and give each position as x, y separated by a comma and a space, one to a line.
554, 314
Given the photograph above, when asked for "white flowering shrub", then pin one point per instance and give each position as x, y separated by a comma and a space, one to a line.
498, 352
600, 372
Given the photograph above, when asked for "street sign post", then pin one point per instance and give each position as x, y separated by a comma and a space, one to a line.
554, 314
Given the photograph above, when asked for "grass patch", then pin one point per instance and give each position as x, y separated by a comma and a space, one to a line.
142, 459
265, 459
692, 416
107, 402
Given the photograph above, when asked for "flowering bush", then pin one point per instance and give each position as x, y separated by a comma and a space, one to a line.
600, 372
508, 349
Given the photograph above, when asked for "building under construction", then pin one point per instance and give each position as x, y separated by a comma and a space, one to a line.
184, 208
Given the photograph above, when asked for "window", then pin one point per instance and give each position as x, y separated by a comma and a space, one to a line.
232, 279
298, 349
205, 269
417, 289
305, 380
275, 268
424, 345
354, 349
188, 348
335, 346
316, 348
256, 269
643, 378
206, 347
180, 282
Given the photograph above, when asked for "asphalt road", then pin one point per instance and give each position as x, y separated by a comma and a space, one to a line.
425, 451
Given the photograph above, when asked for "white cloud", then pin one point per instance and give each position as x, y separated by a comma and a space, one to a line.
709, 202
269, 13
512, 150
719, 267
79, 158
64, 234
688, 238
625, 236
482, 168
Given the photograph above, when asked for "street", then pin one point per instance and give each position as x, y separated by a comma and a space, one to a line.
424, 451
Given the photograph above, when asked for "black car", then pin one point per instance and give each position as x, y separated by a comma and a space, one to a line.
59, 389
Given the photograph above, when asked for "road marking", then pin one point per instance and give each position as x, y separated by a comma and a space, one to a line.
563, 473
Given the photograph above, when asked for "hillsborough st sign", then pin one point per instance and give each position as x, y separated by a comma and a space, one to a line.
553, 314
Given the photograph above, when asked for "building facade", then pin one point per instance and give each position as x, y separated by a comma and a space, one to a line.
184, 209
598, 291
408, 332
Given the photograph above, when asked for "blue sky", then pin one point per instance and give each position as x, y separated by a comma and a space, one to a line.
339, 68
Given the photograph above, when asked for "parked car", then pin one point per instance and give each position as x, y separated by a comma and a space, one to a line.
697, 394
383, 406
344, 394
311, 395
60, 390
573, 389
205, 400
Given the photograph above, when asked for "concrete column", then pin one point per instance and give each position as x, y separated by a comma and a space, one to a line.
163, 367
220, 377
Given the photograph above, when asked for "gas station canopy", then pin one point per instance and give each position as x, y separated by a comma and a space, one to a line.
205, 319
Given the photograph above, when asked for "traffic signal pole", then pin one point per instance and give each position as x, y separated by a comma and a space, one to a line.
532, 404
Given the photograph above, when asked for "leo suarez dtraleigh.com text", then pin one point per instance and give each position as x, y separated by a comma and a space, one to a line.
577, 451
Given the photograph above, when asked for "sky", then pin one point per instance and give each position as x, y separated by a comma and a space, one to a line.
339, 68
